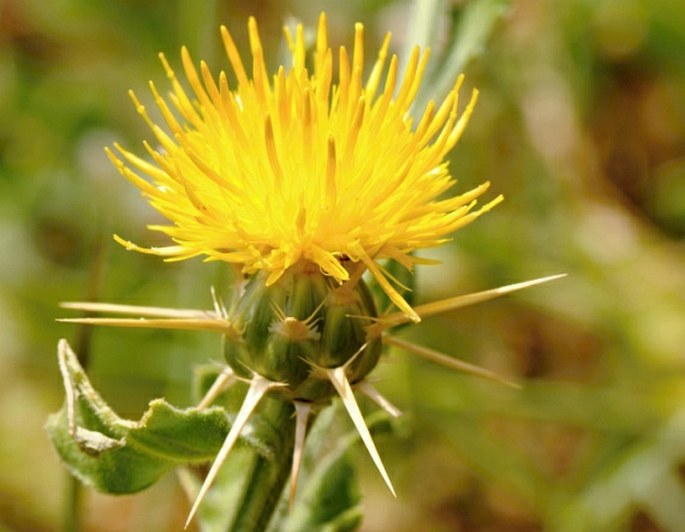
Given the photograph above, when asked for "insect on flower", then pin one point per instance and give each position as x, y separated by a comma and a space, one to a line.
304, 181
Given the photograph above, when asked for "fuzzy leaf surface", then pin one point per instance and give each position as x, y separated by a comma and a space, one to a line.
115, 455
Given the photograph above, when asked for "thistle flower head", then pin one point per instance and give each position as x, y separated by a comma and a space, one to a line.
315, 164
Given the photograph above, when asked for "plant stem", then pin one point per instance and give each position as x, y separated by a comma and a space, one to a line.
72, 504
266, 477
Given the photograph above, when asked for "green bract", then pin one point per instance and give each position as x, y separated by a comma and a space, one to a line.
304, 322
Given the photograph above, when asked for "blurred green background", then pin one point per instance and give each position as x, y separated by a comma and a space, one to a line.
580, 124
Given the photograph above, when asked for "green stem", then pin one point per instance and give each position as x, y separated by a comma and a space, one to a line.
266, 477
72, 504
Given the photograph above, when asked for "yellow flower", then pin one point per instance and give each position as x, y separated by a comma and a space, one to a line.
299, 167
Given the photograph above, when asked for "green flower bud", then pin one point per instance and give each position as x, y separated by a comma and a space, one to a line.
303, 322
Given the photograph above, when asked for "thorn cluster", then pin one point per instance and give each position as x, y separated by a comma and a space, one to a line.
342, 377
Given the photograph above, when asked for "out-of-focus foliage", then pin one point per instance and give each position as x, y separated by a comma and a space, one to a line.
580, 123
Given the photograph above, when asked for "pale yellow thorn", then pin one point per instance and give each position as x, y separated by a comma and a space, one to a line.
219, 307
222, 382
258, 388
452, 303
142, 311
302, 412
189, 324
445, 360
370, 391
342, 385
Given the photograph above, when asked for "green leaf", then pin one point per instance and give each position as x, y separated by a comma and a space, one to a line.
115, 455
473, 26
182, 436
110, 468
222, 505
330, 500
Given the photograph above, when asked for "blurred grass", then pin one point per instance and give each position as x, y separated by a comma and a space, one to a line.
581, 124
